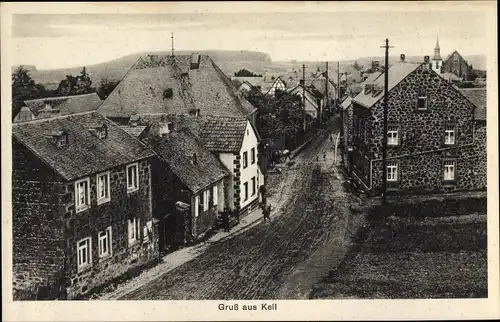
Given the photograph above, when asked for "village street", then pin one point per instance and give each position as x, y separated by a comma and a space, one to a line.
279, 259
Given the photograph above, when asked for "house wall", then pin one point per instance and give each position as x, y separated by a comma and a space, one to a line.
228, 160
37, 222
114, 213
205, 219
457, 65
421, 132
252, 170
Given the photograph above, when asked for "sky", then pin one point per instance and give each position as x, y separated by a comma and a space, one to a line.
309, 33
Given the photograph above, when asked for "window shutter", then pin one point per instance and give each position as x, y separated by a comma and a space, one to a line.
215, 195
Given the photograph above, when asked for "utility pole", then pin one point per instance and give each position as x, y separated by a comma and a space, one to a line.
338, 83
386, 97
327, 98
172, 37
304, 98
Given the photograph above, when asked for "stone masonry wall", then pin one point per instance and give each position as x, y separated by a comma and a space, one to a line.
114, 213
423, 132
37, 230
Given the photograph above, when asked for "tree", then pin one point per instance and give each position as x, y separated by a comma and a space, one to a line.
71, 85
246, 73
24, 88
357, 66
106, 87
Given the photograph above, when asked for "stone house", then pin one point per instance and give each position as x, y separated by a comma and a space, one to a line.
434, 142
81, 195
188, 184
54, 106
457, 65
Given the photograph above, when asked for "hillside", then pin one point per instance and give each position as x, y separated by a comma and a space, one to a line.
228, 61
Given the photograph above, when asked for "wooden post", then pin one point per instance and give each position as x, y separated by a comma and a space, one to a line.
384, 135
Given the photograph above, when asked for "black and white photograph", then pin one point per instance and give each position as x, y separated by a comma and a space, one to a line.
228, 157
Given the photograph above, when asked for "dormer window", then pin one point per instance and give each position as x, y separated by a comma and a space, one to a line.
194, 112
193, 159
59, 138
168, 93
47, 106
195, 61
134, 120
100, 132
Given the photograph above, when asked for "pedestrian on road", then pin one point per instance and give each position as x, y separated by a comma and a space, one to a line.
267, 212
225, 219
263, 192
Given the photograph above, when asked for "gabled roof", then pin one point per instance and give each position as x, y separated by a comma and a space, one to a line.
166, 84
64, 105
320, 85
135, 131
397, 73
223, 134
84, 153
177, 148
476, 96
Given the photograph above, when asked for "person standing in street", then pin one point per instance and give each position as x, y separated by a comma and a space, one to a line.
266, 211
225, 220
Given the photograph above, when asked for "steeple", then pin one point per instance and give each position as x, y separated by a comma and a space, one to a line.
437, 50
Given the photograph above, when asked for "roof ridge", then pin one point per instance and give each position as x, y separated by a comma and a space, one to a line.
56, 117
60, 97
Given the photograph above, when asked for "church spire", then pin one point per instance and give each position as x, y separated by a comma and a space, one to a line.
437, 50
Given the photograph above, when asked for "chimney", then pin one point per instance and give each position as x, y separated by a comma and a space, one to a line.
402, 57
47, 106
164, 128
301, 82
195, 61
426, 59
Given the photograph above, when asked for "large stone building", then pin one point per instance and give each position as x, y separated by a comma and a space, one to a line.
458, 66
436, 136
81, 196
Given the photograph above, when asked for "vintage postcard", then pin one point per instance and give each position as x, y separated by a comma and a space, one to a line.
249, 161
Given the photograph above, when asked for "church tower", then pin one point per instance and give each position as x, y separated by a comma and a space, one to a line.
437, 61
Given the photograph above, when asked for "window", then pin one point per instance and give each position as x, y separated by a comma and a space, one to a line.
206, 196
392, 171
215, 196
84, 253
253, 186
132, 177
103, 193
449, 170
82, 195
196, 206
252, 155
449, 135
422, 102
392, 135
133, 231
246, 191
63, 140
245, 159
105, 243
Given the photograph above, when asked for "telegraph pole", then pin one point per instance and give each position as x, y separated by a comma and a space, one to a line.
338, 84
172, 37
327, 98
304, 97
386, 97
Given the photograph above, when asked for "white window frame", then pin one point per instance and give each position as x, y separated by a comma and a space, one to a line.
252, 156
86, 246
82, 207
107, 196
449, 135
392, 171
254, 188
196, 206
133, 230
63, 140
245, 159
105, 237
424, 97
392, 135
135, 185
447, 165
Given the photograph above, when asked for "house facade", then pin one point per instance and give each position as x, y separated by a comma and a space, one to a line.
81, 205
433, 138
188, 185
457, 65
313, 103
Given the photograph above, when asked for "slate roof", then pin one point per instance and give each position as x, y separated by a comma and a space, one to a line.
320, 85
84, 154
222, 134
64, 105
478, 97
397, 73
143, 90
176, 149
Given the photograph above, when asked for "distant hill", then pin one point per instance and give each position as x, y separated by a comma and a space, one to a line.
228, 61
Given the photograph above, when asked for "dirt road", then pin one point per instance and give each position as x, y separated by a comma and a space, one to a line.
273, 259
